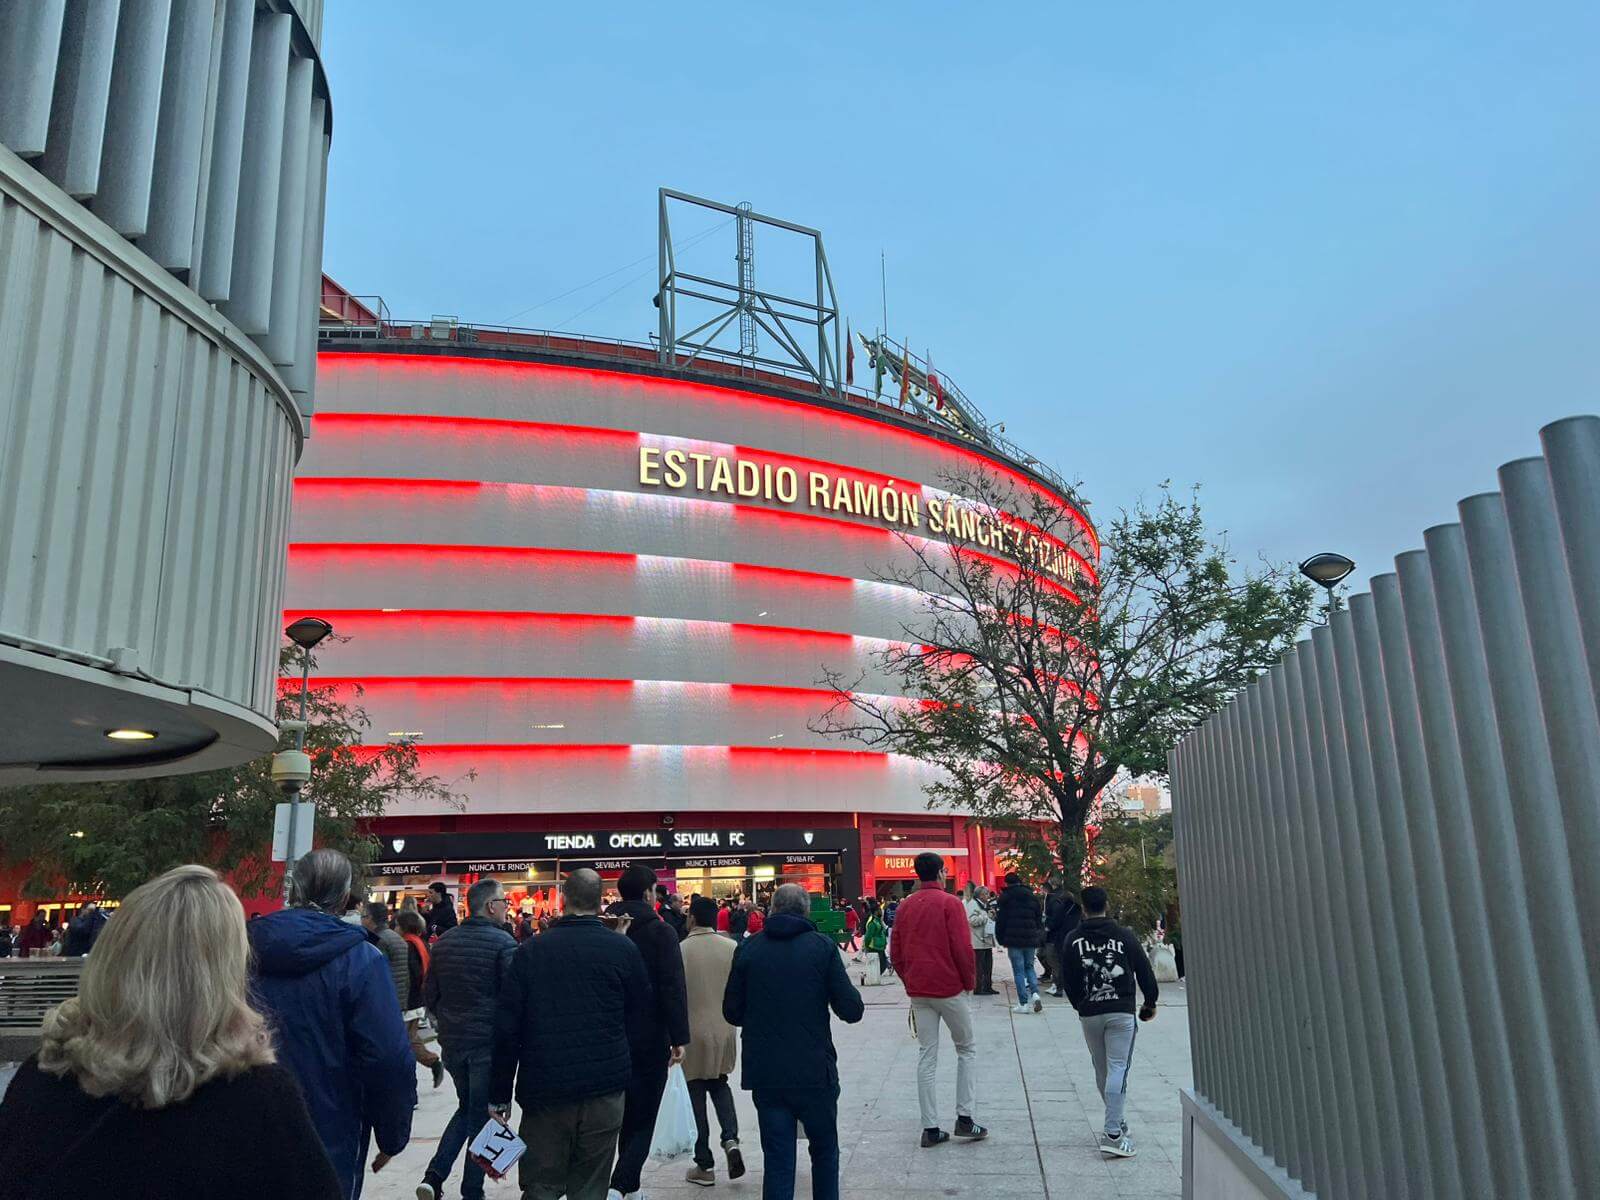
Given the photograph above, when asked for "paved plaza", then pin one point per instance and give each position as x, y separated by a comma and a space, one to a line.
1036, 1094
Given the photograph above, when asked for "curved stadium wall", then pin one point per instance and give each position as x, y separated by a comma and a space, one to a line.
527, 596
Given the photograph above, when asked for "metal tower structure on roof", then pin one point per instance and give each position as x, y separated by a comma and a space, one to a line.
802, 335
747, 281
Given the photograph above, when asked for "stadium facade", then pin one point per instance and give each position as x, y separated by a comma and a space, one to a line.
608, 590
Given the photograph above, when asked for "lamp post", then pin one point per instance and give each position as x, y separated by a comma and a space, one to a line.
291, 769
1327, 571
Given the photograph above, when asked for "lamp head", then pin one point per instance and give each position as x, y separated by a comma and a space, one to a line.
308, 631
1327, 570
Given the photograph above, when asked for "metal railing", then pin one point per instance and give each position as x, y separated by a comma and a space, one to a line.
1386, 848
437, 330
29, 989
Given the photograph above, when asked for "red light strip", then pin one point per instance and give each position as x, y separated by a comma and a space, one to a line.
498, 617
447, 682
338, 482
560, 748
880, 428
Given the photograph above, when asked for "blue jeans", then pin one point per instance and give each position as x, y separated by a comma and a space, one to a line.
779, 1111
469, 1070
1022, 968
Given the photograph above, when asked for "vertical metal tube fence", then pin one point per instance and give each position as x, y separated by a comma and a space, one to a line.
1387, 845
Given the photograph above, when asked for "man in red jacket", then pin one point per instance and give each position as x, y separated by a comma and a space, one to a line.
931, 949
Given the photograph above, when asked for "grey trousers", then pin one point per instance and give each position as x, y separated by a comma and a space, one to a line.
1110, 1038
570, 1147
955, 1012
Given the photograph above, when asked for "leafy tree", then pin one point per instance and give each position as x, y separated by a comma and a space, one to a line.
1032, 682
1134, 860
107, 838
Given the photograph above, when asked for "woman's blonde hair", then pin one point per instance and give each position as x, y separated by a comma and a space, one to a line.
163, 1004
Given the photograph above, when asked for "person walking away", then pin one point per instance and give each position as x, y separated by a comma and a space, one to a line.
375, 920
414, 932
1019, 927
671, 910
83, 930
738, 919
34, 938
876, 941
336, 1023
1058, 927
663, 1032
724, 916
980, 922
159, 1079
852, 925
755, 919
783, 983
562, 1025
442, 912
1102, 961
466, 976
931, 948
713, 1044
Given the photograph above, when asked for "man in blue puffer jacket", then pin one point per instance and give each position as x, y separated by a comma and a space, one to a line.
335, 1020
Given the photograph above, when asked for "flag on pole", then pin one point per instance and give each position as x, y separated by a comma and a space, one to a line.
849, 357
905, 377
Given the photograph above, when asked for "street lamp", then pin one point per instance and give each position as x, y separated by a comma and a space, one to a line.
1327, 570
291, 769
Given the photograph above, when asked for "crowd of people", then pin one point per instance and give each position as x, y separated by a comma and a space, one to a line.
284, 1059
38, 938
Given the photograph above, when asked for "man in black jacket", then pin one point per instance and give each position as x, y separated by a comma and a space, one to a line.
784, 981
1101, 961
83, 931
466, 974
1061, 917
664, 1030
1019, 927
442, 912
671, 910
562, 1032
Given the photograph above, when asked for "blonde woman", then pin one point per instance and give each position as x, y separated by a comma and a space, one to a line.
159, 1079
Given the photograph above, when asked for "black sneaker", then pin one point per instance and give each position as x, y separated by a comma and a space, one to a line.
934, 1137
967, 1128
735, 1159
437, 1070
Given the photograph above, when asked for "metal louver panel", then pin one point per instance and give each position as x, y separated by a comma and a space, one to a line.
30, 39
215, 257
249, 302
198, 130
180, 135
123, 201
82, 92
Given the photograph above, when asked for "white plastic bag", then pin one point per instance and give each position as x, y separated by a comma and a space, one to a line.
872, 974
675, 1130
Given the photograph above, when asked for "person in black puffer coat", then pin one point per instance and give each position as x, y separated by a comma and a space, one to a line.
783, 982
441, 913
466, 975
1019, 927
664, 1031
562, 1033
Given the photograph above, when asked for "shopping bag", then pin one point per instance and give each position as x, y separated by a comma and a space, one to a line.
675, 1130
873, 974
496, 1148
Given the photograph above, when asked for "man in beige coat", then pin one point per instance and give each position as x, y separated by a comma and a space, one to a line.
709, 1057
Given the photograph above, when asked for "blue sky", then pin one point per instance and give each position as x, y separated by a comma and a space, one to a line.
1335, 266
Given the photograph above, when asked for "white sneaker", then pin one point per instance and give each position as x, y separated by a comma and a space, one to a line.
1116, 1147
1038, 1004
425, 1191
1023, 1008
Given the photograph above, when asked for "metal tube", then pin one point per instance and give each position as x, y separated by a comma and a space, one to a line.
1429, 991
1350, 928
1336, 982
1294, 928
1539, 831
1506, 881
1572, 449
